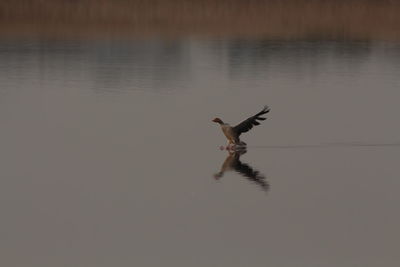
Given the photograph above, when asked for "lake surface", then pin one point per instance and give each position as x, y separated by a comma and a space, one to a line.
109, 156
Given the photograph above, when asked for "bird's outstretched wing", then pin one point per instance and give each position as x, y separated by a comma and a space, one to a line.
247, 124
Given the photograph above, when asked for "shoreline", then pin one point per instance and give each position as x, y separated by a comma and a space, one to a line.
269, 19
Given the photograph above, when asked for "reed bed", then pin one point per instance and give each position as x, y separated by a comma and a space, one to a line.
282, 19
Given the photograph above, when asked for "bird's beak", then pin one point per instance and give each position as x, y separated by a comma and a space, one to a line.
214, 120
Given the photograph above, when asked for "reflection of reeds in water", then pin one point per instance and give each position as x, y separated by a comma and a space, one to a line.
333, 19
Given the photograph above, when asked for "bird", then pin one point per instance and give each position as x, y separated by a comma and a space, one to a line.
232, 162
233, 133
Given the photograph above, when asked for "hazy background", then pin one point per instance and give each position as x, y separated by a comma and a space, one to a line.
278, 19
108, 153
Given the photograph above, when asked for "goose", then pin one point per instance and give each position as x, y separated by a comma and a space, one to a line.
233, 133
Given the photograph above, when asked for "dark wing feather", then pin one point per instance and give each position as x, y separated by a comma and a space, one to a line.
247, 124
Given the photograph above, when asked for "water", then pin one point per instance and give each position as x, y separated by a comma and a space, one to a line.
109, 156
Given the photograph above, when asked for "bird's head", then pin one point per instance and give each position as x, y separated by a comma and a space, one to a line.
218, 120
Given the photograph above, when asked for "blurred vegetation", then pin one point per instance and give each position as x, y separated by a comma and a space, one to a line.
283, 19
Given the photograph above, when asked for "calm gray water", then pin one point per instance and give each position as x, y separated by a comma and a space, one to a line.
109, 156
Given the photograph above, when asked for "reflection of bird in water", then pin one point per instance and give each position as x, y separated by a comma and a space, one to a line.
232, 162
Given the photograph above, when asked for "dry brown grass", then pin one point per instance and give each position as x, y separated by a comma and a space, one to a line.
283, 19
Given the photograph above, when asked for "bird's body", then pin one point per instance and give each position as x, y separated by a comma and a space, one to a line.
230, 134
233, 133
